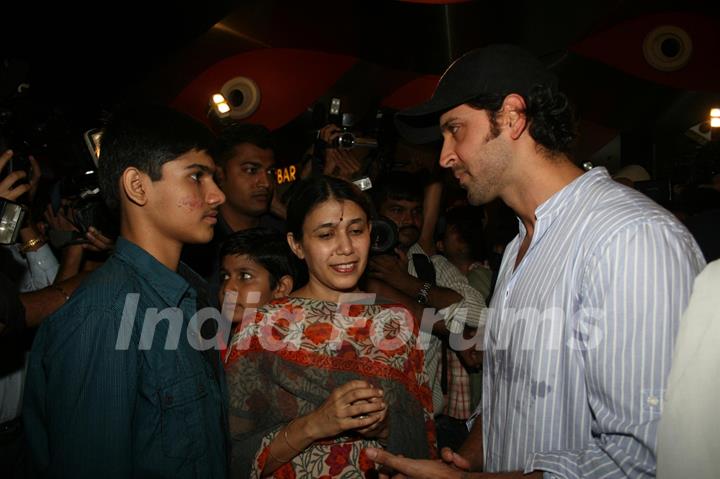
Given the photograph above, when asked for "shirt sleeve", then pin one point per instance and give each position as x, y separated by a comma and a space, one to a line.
471, 309
43, 267
79, 396
634, 291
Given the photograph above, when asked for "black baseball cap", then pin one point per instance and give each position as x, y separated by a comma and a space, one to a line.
495, 69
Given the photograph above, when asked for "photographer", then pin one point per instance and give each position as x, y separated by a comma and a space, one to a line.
338, 153
27, 296
74, 257
339, 162
30, 264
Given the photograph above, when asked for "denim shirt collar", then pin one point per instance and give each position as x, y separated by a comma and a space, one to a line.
167, 283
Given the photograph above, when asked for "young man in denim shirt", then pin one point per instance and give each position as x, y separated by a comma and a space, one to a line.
121, 382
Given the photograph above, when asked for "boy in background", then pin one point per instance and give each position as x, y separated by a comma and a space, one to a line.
255, 268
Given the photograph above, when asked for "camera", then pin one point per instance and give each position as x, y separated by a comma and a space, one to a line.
384, 236
83, 190
348, 140
11, 219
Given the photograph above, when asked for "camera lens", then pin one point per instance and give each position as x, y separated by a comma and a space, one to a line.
384, 236
346, 141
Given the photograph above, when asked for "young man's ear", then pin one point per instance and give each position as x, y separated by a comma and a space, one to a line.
284, 287
133, 184
295, 246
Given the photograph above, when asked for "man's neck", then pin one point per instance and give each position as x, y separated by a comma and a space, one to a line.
165, 251
238, 221
537, 184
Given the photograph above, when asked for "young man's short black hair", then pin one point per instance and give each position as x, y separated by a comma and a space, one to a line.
145, 137
266, 247
235, 135
398, 185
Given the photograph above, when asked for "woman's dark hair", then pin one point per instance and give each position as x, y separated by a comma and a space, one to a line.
312, 191
266, 247
145, 137
549, 113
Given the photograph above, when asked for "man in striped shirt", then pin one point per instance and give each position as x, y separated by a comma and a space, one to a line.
581, 327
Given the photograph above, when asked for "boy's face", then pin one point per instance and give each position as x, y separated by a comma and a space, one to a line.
182, 205
249, 279
454, 245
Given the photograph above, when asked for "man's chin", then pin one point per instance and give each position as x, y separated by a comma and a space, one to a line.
200, 239
258, 209
406, 241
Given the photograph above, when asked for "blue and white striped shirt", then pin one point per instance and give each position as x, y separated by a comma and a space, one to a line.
579, 337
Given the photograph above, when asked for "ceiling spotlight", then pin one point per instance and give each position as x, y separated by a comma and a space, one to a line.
219, 105
715, 117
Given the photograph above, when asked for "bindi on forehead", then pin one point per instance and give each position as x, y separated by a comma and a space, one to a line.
333, 214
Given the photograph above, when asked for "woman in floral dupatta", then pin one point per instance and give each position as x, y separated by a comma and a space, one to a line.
316, 377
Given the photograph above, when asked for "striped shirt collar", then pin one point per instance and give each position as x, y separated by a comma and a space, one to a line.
546, 213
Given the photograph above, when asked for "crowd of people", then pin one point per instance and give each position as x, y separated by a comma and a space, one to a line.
231, 331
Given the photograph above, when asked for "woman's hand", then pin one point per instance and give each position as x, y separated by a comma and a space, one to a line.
380, 429
354, 405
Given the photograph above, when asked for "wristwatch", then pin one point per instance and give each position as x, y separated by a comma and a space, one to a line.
422, 295
31, 245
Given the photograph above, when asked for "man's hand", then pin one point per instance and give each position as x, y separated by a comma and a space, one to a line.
97, 241
427, 469
454, 459
341, 164
338, 162
8, 188
412, 468
391, 269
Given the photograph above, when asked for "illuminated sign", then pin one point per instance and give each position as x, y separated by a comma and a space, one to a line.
286, 175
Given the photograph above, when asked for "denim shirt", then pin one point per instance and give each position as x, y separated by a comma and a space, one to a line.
105, 396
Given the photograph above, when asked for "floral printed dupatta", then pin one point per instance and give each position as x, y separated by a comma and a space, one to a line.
285, 363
